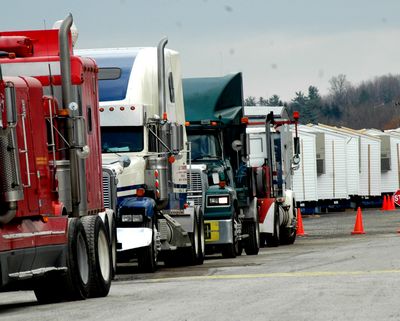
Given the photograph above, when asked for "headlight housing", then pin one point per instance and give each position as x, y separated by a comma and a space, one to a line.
218, 200
132, 218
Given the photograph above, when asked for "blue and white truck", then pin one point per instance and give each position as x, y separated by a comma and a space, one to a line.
144, 146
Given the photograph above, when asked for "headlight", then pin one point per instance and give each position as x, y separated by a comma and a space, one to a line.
217, 200
131, 218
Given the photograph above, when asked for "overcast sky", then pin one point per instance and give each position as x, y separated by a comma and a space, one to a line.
280, 46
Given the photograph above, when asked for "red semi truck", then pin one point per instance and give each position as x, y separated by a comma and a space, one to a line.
55, 236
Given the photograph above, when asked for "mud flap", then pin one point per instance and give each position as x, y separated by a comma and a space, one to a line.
268, 225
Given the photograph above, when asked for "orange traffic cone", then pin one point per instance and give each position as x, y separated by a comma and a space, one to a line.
384, 203
392, 205
358, 226
300, 228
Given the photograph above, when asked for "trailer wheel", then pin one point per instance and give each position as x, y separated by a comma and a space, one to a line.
273, 240
74, 284
99, 255
252, 245
147, 256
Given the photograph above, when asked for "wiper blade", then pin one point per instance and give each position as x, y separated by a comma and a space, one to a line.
205, 156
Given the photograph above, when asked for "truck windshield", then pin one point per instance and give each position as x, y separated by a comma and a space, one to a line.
119, 139
205, 146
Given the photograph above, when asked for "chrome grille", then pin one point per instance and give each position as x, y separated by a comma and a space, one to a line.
195, 182
107, 190
195, 190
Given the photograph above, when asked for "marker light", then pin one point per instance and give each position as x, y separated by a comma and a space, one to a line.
140, 192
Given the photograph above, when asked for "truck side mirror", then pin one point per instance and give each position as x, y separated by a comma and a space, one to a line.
296, 145
237, 145
125, 161
177, 137
80, 140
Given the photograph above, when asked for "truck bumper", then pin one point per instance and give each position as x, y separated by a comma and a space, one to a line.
218, 232
130, 238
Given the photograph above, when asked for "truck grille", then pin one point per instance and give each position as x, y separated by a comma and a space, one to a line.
110, 189
195, 190
107, 190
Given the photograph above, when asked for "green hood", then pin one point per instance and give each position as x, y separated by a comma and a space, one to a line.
213, 98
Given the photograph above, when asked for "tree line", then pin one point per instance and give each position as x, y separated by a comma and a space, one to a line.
371, 104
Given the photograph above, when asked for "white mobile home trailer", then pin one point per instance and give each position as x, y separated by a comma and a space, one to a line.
370, 164
390, 157
305, 178
331, 167
352, 159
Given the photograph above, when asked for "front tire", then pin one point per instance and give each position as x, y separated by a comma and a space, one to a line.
113, 247
252, 245
99, 256
288, 234
147, 256
230, 251
202, 247
273, 240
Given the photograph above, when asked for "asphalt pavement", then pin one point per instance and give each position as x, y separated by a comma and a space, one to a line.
328, 275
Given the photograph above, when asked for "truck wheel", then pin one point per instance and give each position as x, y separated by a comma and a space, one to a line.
75, 283
229, 251
202, 247
252, 245
273, 240
113, 247
189, 256
147, 256
288, 234
99, 255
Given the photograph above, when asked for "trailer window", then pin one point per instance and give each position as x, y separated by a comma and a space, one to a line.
119, 139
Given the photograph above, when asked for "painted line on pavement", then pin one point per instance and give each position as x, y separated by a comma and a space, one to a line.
274, 275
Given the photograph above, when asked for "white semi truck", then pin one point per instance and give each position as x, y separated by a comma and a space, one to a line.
274, 155
144, 146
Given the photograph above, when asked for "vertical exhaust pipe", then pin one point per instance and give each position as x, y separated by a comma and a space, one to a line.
161, 76
65, 58
66, 88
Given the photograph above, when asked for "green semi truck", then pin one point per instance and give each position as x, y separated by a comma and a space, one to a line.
214, 111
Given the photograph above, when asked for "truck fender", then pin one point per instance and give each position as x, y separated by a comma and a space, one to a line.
289, 201
187, 220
